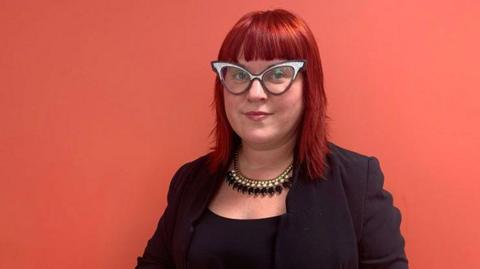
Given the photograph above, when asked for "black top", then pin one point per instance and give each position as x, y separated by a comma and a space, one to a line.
343, 220
220, 242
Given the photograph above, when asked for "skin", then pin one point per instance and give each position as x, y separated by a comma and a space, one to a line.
267, 146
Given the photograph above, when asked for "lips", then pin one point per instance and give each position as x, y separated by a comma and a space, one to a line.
257, 115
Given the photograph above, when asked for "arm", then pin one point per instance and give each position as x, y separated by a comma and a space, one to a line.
157, 254
381, 243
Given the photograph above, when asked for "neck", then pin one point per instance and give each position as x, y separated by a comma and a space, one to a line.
262, 161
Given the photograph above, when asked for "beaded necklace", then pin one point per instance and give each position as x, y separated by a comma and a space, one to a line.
262, 187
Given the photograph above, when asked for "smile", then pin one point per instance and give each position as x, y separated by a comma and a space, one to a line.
257, 115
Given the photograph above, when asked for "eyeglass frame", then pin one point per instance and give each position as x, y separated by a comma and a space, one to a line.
298, 66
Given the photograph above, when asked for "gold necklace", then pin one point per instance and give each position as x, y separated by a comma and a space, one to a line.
262, 187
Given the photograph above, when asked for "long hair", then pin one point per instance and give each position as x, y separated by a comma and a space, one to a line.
268, 35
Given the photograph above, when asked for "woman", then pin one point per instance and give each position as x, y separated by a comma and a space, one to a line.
274, 192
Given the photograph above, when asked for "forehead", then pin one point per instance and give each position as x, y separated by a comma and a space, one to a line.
256, 66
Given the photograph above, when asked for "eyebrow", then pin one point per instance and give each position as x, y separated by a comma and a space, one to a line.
249, 70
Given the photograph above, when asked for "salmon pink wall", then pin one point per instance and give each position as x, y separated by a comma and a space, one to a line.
101, 101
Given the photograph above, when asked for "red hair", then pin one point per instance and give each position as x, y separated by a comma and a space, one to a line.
268, 35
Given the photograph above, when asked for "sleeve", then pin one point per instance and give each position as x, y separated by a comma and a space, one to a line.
157, 254
381, 243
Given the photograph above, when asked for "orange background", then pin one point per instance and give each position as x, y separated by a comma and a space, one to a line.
101, 101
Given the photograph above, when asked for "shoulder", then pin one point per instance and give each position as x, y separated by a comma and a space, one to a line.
350, 159
352, 166
351, 170
186, 172
362, 181
195, 164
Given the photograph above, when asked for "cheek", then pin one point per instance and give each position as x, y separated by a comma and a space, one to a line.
231, 110
292, 106
291, 112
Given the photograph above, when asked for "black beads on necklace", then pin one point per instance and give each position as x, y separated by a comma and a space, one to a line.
258, 187
255, 187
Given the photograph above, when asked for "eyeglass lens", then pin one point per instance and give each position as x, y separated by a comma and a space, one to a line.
276, 80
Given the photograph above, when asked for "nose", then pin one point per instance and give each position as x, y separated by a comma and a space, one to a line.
256, 91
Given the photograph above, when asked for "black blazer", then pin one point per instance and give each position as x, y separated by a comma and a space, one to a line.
346, 221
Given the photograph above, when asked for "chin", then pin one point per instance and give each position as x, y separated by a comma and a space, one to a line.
257, 139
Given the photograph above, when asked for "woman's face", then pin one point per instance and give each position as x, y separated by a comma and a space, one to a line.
284, 111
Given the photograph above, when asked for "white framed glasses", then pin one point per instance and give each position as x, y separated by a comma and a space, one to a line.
275, 79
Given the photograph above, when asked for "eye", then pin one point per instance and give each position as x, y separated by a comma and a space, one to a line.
240, 75
236, 75
279, 74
